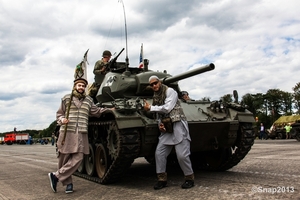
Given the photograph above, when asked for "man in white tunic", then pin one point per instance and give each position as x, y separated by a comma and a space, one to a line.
167, 106
73, 145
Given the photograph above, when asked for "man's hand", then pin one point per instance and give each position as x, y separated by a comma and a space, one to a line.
64, 121
103, 69
147, 106
162, 128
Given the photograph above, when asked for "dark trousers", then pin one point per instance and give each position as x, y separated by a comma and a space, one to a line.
262, 135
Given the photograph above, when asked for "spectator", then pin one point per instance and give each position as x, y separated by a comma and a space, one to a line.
262, 132
52, 139
288, 130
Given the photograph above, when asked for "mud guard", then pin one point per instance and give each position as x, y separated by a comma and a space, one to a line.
245, 117
125, 121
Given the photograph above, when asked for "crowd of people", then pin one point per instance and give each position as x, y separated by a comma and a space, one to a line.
284, 129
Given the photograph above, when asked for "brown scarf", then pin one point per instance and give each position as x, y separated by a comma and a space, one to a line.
160, 96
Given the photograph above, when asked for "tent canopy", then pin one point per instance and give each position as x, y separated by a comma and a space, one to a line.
286, 119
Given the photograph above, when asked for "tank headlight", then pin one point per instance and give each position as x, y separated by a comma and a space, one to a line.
221, 106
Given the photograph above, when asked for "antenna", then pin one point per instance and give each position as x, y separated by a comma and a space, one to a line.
126, 59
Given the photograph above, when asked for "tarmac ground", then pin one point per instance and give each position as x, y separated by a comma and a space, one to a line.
269, 171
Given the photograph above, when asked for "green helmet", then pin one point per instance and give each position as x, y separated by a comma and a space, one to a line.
106, 53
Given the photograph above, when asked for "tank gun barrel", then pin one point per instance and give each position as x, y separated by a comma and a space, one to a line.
188, 74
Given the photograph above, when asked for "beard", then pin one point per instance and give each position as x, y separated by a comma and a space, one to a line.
160, 95
78, 94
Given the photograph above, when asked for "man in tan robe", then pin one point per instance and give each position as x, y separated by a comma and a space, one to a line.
73, 146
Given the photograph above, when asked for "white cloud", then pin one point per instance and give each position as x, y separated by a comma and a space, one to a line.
254, 45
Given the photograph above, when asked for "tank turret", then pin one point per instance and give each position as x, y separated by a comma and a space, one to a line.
127, 83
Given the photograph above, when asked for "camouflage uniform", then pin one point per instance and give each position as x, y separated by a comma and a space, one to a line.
99, 71
100, 66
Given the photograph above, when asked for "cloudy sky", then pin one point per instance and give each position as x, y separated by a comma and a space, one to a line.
255, 46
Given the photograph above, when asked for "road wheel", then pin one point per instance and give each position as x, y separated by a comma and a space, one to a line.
280, 136
102, 161
295, 132
90, 162
298, 137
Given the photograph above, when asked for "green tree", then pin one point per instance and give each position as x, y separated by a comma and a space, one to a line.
274, 103
227, 98
253, 102
48, 131
296, 96
287, 103
205, 99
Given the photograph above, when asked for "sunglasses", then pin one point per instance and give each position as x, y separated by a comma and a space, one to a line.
154, 83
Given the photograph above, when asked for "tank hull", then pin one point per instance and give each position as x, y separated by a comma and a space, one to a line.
219, 139
222, 133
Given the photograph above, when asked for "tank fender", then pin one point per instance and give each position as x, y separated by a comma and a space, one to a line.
245, 117
128, 121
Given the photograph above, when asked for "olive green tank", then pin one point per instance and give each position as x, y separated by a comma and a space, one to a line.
222, 133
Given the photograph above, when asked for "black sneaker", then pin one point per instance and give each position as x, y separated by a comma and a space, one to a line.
53, 181
160, 184
69, 188
187, 184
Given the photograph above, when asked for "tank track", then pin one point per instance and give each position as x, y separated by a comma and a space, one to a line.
128, 150
295, 131
243, 145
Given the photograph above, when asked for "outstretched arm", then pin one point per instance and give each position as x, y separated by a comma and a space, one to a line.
170, 102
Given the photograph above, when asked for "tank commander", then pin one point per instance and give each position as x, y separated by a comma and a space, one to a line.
101, 65
100, 69
174, 132
73, 143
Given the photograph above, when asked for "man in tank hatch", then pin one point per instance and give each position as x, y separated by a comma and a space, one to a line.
100, 69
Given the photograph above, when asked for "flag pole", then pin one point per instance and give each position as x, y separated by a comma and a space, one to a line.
80, 72
141, 64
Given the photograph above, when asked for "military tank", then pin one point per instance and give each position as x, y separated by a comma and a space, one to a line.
222, 133
295, 131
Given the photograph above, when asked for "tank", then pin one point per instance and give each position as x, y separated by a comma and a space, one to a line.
295, 131
222, 133
277, 130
